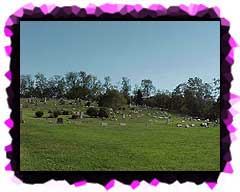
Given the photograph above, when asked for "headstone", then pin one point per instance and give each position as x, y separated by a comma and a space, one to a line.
167, 121
179, 125
104, 124
81, 115
187, 126
123, 116
193, 125
123, 124
45, 100
59, 120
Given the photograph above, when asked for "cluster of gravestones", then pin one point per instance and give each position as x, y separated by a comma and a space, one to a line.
205, 124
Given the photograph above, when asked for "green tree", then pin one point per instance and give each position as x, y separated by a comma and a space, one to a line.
107, 85
138, 97
40, 86
112, 99
147, 87
126, 88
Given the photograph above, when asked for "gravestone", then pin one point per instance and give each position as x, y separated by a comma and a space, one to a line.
123, 116
59, 120
167, 121
179, 125
81, 115
45, 100
104, 124
123, 124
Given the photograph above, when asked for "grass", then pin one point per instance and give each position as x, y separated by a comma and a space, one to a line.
86, 145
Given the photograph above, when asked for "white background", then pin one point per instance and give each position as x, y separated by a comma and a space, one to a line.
226, 182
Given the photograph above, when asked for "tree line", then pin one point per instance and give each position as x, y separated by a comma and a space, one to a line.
193, 97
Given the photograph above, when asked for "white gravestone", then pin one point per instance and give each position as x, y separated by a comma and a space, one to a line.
81, 115
104, 124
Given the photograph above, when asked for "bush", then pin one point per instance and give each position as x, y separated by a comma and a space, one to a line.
65, 112
92, 112
88, 104
74, 116
103, 112
112, 99
39, 114
50, 111
56, 113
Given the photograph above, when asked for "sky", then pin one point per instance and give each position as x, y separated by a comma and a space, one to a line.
167, 52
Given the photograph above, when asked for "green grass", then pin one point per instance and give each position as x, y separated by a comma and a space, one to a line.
86, 145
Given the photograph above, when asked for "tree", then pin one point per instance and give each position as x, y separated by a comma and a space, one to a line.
138, 98
177, 99
71, 79
147, 87
40, 85
216, 88
126, 88
112, 99
56, 87
96, 88
23, 85
26, 86
107, 85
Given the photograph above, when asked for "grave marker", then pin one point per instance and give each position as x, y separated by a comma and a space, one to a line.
104, 124
81, 115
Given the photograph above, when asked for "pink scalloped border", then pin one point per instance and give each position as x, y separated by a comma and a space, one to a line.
191, 10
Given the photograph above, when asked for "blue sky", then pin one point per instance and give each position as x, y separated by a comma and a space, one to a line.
167, 52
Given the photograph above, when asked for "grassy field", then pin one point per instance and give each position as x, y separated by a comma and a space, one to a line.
145, 143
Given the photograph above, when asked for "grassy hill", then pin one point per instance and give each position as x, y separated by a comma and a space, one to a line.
143, 141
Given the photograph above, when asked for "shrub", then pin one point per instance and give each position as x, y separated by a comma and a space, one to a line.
50, 111
103, 112
39, 114
65, 112
88, 104
74, 116
92, 112
56, 113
